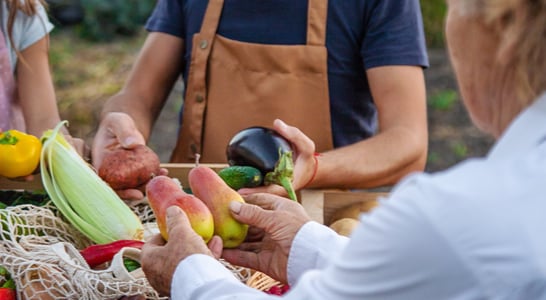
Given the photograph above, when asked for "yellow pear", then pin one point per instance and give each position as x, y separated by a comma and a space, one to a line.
208, 186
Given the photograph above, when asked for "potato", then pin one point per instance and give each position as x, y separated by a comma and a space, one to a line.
129, 168
344, 226
353, 211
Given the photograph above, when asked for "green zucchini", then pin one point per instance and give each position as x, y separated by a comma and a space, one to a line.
238, 177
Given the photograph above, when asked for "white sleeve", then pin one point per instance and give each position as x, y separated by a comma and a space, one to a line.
312, 248
200, 276
395, 253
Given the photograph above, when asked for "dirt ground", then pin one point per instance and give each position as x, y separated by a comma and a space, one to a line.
452, 136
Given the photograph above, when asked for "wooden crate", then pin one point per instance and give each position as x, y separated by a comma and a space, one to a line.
179, 171
319, 203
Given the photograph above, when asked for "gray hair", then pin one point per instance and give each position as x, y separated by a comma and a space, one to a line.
520, 26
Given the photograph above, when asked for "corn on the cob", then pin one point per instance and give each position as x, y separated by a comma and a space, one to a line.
81, 196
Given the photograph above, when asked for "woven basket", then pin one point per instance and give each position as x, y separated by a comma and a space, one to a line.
261, 281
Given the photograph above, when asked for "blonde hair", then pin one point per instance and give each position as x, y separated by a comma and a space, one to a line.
520, 26
29, 7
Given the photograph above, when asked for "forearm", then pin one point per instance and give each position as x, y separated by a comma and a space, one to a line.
150, 81
379, 161
36, 93
400, 147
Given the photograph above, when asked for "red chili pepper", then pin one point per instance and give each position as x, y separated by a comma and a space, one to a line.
96, 255
7, 294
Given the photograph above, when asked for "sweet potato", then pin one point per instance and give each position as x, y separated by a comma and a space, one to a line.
129, 168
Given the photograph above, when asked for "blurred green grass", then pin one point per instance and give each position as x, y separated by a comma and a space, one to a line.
434, 12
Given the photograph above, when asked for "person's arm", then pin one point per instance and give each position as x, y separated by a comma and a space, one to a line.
395, 253
150, 81
37, 94
399, 148
35, 88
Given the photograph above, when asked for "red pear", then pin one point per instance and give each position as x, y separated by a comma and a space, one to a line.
208, 186
163, 192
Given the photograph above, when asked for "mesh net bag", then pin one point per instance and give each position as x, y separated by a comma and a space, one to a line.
41, 252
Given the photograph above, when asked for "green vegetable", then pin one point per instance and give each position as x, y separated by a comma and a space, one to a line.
86, 201
9, 283
283, 173
238, 177
131, 264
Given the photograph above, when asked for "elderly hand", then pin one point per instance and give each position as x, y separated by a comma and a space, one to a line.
279, 219
159, 259
117, 129
304, 161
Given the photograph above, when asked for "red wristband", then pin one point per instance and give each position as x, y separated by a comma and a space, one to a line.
314, 170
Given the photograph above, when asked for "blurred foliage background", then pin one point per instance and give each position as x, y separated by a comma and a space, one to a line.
434, 12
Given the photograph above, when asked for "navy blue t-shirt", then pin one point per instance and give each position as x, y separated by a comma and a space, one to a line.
360, 34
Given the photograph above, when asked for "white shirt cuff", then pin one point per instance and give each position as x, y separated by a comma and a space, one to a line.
312, 247
195, 271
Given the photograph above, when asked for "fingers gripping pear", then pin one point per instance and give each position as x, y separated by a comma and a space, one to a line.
163, 191
208, 186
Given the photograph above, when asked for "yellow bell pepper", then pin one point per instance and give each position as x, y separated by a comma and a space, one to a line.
19, 153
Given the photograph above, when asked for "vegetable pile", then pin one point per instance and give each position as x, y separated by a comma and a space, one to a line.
264, 149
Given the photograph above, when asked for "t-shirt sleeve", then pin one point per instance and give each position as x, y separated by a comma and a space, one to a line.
32, 28
167, 17
394, 34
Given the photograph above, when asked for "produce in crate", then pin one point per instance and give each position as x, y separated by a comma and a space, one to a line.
129, 168
345, 226
163, 192
238, 177
83, 198
208, 186
264, 149
257, 147
19, 153
352, 211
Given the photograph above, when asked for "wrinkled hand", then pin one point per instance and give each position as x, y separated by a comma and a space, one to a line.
304, 162
117, 129
159, 259
279, 219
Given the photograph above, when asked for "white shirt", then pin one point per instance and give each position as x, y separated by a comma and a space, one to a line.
475, 231
27, 30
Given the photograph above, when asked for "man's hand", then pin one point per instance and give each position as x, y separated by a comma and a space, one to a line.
117, 129
278, 219
159, 258
304, 160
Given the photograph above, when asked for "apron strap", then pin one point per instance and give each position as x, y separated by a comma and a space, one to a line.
211, 19
316, 22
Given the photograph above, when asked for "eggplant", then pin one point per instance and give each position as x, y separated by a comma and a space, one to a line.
266, 150
257, 147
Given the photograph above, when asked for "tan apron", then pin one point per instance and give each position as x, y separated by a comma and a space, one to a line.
233, 85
